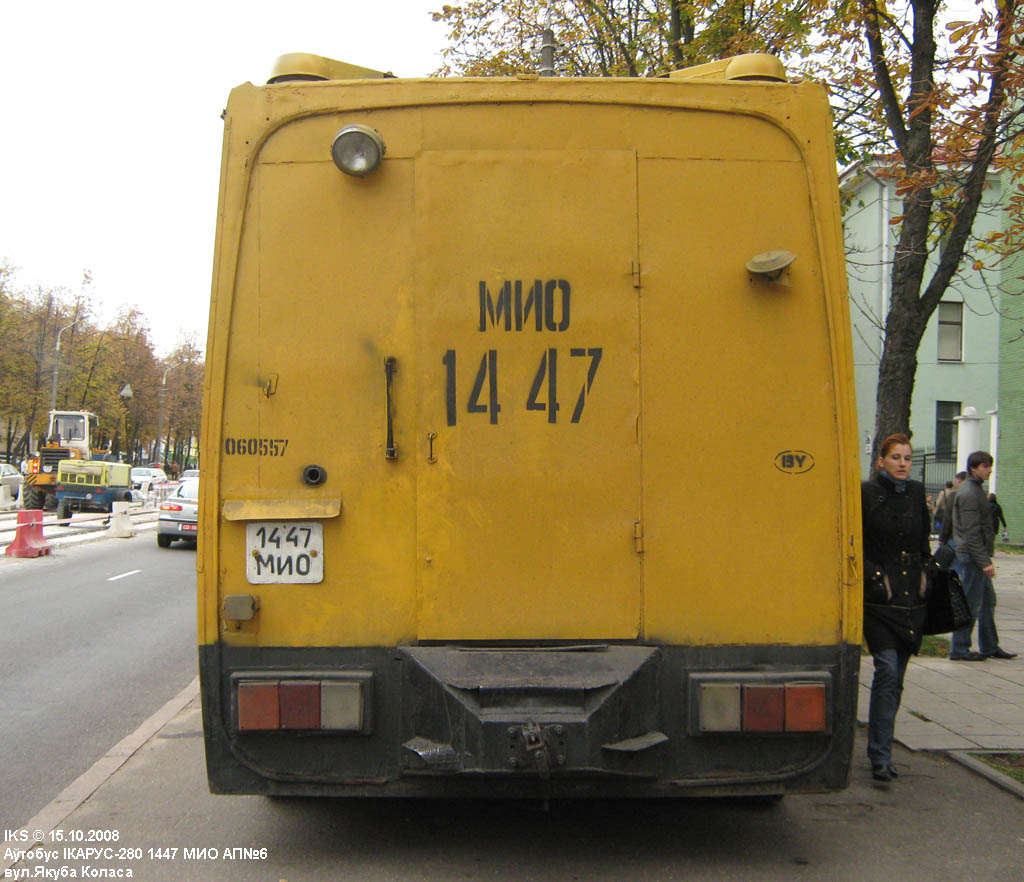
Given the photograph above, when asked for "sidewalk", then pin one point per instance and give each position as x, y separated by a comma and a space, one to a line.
956, 705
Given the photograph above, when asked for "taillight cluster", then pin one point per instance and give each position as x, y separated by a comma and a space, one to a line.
170, 506
781, 707
332, 704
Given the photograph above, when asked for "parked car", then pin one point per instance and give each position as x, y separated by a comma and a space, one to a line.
144, 477
179, 515
190, 473
12, 479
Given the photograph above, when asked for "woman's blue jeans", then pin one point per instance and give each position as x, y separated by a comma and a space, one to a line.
886, 692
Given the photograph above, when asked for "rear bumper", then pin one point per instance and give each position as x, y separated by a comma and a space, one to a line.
77, 499
177, 529
42, 481
612, 720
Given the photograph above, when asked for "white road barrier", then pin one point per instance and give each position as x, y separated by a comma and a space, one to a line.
121, 526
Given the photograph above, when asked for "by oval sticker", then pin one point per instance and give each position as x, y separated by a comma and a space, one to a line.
794, 462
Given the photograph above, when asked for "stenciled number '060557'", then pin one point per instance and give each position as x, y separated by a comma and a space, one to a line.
255, 446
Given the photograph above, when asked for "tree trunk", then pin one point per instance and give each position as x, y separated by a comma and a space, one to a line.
92, 370
896, 372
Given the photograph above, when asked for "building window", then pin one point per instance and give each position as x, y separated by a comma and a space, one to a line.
946, 413
951, 331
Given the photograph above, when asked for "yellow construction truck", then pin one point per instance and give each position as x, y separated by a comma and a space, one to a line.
70, 434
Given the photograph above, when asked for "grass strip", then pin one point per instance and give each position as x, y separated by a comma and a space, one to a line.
1009, 764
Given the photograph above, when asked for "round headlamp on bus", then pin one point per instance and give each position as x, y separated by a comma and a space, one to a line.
357, 150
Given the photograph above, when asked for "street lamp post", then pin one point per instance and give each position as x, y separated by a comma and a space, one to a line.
56, 364
163, 406
125, 395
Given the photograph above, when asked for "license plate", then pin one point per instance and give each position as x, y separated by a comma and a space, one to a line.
284, 552
188, 527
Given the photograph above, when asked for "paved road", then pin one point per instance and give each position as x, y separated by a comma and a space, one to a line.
939, 821
95, 637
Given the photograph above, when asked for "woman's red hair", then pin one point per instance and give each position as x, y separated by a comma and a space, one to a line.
890, 442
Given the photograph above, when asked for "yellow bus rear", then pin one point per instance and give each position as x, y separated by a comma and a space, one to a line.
529, 440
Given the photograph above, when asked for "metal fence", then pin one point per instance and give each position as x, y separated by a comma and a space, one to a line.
934, 470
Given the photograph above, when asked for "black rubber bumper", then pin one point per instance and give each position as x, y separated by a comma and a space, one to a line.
562, 721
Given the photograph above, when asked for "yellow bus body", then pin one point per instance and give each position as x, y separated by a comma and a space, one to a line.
555, 401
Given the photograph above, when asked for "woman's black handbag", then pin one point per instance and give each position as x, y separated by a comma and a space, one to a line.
947, 604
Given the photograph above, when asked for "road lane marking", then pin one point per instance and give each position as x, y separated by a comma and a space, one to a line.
123, 575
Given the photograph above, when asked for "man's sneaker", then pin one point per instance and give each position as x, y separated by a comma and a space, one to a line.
968, 656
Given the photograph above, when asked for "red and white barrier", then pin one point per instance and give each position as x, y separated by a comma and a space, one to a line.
29, 541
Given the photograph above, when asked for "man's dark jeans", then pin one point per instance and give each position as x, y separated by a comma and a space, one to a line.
981, 597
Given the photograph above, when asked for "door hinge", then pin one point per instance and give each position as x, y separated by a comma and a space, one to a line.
638, 536
635, 270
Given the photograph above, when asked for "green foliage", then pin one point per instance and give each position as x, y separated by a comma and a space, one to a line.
934, 647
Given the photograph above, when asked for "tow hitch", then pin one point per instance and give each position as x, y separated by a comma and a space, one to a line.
534, 746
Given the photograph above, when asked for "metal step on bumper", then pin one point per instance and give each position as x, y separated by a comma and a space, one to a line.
588, 709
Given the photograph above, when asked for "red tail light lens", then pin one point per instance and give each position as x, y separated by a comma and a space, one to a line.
300, 704
258, 707
764, 708
805, 707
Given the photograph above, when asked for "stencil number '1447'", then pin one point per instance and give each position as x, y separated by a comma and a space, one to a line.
543, 394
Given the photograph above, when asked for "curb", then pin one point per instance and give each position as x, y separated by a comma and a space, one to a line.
92, 534
98, 533
965, 759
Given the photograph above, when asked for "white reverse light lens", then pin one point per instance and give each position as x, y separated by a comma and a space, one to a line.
720, 707
341, 705
357, 150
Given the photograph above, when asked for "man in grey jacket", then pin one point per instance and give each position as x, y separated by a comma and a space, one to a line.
975, 544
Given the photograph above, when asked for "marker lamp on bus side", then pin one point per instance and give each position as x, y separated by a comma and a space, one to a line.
771, 266
357, 150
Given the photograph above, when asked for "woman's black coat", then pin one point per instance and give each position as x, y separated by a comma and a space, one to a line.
896, 545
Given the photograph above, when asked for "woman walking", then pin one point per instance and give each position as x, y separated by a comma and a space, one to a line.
896, 549
997, 514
